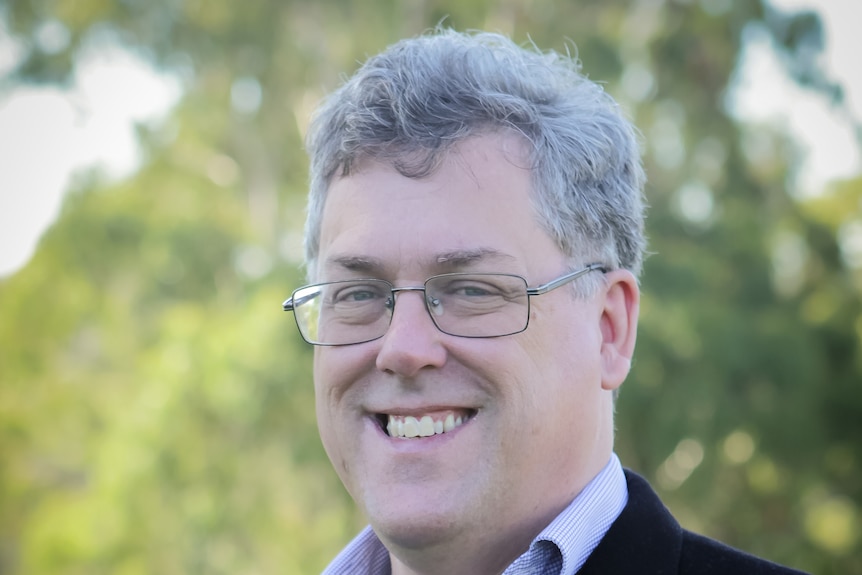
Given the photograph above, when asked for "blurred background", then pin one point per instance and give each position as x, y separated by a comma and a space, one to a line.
156, 405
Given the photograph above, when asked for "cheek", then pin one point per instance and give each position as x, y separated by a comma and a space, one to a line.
565, 372
326, 422
575, 344
338, 376
336, 371
329, 391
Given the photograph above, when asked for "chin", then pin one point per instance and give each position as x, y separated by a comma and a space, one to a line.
415, 516
412, 532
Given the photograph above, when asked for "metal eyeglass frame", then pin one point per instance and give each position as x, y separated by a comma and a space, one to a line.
291, 303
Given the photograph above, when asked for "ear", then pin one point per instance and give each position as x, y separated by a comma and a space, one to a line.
619, 324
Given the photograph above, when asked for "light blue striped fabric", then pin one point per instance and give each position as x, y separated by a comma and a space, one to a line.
564, 545
560, 549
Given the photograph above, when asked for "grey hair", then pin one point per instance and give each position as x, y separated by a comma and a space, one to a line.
412, 103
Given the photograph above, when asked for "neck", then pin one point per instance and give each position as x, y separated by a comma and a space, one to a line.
475, 556
481, 551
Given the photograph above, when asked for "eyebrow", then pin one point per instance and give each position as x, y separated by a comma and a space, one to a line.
359, 264
464, 258
447, 261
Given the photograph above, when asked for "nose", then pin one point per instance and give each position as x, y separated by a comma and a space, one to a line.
412, 342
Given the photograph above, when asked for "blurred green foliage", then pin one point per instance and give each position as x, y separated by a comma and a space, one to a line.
156, 406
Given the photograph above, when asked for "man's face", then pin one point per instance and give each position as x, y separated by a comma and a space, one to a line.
535, 408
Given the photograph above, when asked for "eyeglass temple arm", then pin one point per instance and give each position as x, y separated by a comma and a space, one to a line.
544, 288
291, 303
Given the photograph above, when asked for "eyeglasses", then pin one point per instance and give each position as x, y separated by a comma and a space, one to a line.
460, 304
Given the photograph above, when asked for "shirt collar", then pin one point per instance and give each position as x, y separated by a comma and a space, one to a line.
565, 544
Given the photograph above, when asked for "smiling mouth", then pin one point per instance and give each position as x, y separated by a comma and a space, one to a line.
428, 425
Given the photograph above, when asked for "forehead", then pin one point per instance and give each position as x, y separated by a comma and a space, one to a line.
474, 211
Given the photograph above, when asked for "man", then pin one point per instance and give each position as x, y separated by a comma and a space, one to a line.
474, 234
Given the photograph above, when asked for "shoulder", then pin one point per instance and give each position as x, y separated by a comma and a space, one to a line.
706, 556
646, 539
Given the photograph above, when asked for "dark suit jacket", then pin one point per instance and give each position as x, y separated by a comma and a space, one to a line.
646, 540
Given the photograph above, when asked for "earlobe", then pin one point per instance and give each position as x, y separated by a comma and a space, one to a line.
619, 327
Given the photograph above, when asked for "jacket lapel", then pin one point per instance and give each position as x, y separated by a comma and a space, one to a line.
645, 538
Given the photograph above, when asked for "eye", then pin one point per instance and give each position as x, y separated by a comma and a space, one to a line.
472, 288
476, 293
358, 293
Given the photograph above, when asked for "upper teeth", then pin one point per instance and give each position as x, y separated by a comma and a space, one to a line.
426, 426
